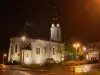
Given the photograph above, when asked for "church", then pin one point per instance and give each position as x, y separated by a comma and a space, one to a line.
36, 51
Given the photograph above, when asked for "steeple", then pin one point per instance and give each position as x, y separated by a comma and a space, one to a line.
55, 27
55, 15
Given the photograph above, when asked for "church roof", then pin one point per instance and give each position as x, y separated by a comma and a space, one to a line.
30, 40
26, 44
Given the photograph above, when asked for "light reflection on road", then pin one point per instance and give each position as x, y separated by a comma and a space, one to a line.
83, 68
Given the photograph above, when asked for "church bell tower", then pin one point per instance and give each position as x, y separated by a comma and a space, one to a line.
55, 28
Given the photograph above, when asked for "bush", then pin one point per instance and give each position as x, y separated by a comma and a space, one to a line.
49, 65
9, 63
49, 60
74, 63
14, 63
60, 64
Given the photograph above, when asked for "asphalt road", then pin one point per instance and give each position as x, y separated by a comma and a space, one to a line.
94, 66
9, 72
17, 70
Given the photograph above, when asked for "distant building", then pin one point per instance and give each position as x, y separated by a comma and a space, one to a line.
93, 51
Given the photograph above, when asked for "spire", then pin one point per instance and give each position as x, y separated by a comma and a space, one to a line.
55, 15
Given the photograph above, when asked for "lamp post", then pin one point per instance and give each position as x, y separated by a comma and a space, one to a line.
4, 56
76, 46
23, 38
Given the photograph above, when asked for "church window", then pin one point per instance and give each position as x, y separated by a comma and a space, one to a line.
11, 50
45, 49
27, 55
16, 48
53, 51
37, 50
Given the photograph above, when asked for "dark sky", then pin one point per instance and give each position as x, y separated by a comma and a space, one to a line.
79, 19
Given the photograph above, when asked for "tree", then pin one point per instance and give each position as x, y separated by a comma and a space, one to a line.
60, 50
80, 52
69, 51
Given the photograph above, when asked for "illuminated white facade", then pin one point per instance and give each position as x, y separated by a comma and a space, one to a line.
30, 51
93, 51
33, 51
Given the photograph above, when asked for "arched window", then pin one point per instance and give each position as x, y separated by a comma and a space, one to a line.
37, 50
45, 49
27, 55
12, 51
16, 48
53, 51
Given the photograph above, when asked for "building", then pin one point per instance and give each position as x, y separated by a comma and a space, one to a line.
93, 51
32, 51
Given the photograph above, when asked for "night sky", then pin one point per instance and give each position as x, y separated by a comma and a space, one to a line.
79, 19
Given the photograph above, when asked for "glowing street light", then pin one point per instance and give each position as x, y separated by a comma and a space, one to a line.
4, 56
23, 38
76, 46
84, 48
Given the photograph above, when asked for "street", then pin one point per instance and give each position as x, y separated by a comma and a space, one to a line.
17, 70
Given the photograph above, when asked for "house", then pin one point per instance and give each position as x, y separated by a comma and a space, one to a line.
93, 51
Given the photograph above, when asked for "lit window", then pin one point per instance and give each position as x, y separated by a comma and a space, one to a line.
16, 48
53, 18
37, 50
53, 51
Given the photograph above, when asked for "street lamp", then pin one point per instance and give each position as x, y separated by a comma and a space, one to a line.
23, 38
76, 46
84, 49
4, 56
